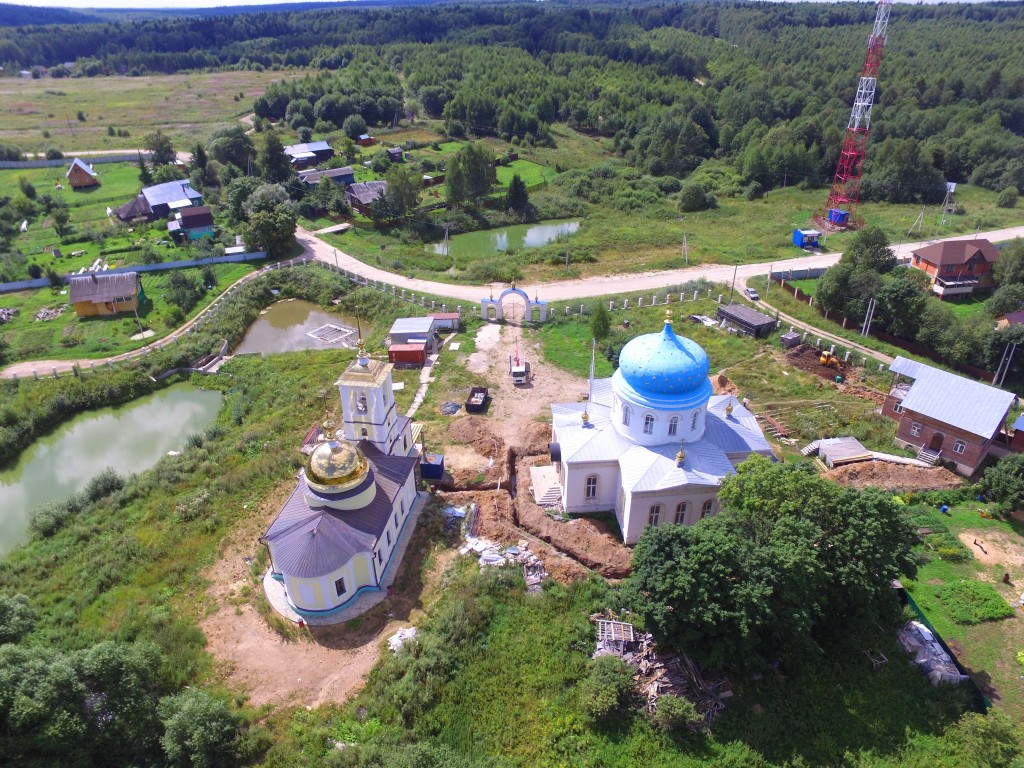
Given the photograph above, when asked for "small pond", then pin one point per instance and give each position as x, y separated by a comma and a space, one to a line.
128, 438
294, 324
490, 241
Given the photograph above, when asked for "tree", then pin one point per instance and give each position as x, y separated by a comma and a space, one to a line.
1006, 298
265, 197
184, 289
237, 194
28, 189
517, 198
199, 158
606, 688
869, 251
692, 197
1009, 268
60, 216
470, 173
199, 730
16, 618
790, 560
232, 146
403, 191
164, 173
1004, 482
1008, 198
145, 177
160, 148
600, 321
305, 134
354, 126
273, 231
271, 159
899, 304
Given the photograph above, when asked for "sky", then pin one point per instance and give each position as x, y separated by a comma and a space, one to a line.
143, 4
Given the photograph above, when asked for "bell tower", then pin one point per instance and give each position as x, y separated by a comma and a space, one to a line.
368, 406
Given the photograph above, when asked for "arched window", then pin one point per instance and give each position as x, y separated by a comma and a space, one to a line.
654, 515
681, 508
693, 422
625, 415
361, 403
648, 424
673, 426
590, 489
705, 508
363, 432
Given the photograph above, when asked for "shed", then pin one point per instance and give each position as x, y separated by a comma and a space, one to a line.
411, 354
339, 176
790, 340
837, 451
746, 319
309, 153
95, 294
447, 321
806, 238
365, 140
396, 155
362, 194
432, 466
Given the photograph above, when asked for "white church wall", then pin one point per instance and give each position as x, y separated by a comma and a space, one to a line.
321, 593
637, 515
689, 425
574, 487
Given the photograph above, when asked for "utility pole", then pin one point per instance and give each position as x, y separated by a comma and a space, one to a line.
865, 329
733, 288
1004, 364
768, 285
336, 264
918, 223
686, 255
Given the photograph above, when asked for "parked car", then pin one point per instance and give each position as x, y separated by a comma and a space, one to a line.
751, 294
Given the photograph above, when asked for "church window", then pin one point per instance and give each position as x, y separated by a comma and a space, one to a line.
380, 558
681, 508
654, 515
673, 426
648, 424
361, 403
405, 443
401, 506
626, 412
363, 432
388, 534
339, 587
705, 508
693, 421
591, 487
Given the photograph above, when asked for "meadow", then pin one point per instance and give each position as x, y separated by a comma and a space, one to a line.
43, 113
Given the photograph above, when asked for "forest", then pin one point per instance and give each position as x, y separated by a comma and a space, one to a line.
766, 88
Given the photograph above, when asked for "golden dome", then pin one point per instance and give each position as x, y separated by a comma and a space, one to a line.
338, 464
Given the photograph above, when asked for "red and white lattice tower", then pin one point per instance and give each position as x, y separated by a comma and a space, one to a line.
841, 209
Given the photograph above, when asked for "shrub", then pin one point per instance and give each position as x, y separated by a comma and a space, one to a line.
972, 602
606, 688
16, 618
1008, 198
753, 191
103, 484
675, 712
692, 197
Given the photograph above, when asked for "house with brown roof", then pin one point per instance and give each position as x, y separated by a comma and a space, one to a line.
98, 293
81, 176
191, 223
957, 267
362, 194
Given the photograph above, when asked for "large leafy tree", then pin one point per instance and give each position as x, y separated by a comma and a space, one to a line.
272, 230
271, 159
470, 174
791, 561
160, 148
199, 730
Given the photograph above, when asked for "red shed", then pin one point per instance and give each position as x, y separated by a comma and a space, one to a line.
408, 354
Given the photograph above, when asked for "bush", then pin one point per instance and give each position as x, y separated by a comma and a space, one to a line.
200, 731
675, 712
606, 688
692, 197
753, 191
17, 618
972, 602
1008, 198
54, 154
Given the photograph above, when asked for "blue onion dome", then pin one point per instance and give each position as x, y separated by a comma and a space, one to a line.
663, 369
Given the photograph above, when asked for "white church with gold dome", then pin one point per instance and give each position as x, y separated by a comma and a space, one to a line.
336, 537
652, 443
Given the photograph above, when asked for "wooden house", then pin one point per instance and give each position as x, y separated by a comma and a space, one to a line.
362, 194
366, 140
191, 223
957, 267
311, 153
395, 154
339, 176
81, 176
99, 293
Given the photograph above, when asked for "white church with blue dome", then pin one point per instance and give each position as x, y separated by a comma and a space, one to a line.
652, 443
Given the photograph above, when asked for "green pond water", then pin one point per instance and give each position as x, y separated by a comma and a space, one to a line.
490, 241
286, 326
129, 438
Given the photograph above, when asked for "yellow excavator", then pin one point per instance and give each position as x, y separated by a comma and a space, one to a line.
829, 360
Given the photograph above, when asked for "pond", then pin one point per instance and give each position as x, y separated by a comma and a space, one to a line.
294, 324
490, 241
128, 438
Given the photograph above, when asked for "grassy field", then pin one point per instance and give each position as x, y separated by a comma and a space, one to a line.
69, 337
987, 648
971, 306
185, 107
807, 285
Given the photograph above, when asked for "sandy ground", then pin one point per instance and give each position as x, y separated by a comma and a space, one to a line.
994, 548
894, 477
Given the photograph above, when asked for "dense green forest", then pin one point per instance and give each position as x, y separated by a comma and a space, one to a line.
766, 87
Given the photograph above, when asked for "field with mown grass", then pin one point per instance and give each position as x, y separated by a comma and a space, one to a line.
982, 622
185, 107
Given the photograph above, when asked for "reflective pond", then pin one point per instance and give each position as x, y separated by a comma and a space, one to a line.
490, 241
295, 324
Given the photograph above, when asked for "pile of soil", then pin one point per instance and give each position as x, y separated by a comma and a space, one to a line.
894, 477
476, 457
587, 541
808, 358
721, 385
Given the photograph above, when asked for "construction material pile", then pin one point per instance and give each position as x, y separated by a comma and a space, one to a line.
7, 314
49, 314
401, 637
929, 654
661, 674
450, 408
492, 555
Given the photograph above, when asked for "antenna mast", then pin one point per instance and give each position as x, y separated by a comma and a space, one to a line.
841, 208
